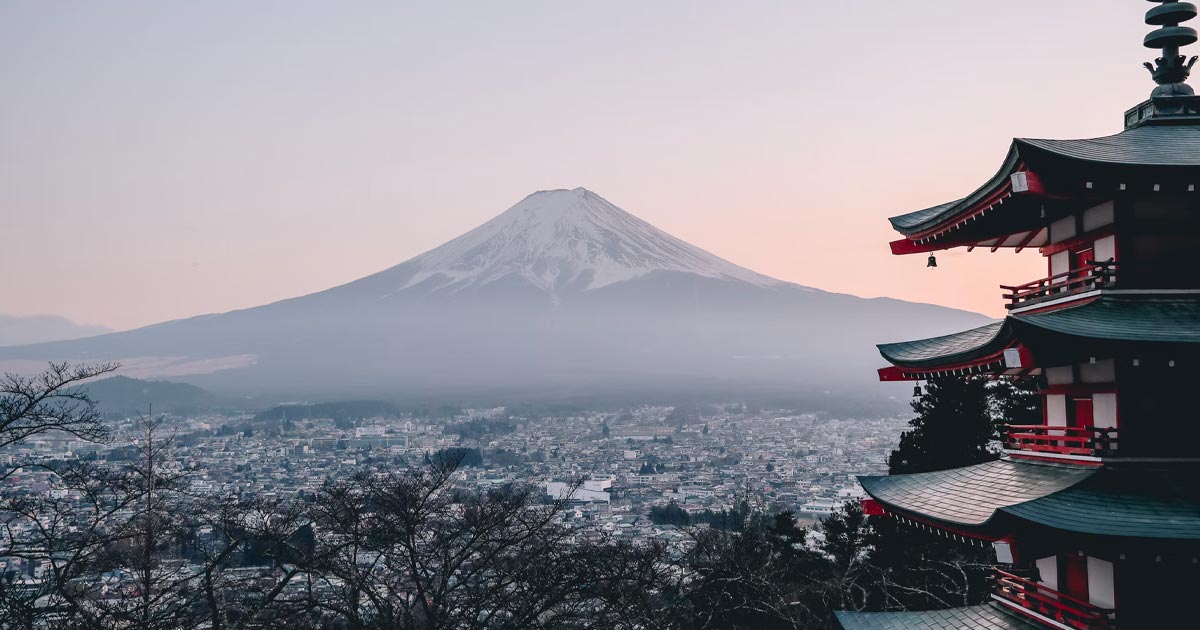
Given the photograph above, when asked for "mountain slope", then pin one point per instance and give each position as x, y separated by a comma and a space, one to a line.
124, 395
29, 329
563, 292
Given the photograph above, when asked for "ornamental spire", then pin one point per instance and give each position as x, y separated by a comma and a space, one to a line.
1171, 69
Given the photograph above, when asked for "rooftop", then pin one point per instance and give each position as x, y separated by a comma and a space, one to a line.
1112, 317
971, 496
984, 617
1132, 500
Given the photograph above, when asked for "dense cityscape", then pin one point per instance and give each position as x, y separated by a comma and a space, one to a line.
710, 459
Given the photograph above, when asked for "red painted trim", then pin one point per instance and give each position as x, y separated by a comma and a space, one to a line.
1027, 361
872, 507
905, 246
952, 529
988, 363
1033, 182
1080, 389
996, 196
1035, 188
892, 373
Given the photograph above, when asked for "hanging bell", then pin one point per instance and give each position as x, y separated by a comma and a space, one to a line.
916, 391
932, 261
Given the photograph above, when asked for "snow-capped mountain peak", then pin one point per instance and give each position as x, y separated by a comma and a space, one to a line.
567, 238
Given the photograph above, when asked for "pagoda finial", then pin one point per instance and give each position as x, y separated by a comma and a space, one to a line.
1171, 69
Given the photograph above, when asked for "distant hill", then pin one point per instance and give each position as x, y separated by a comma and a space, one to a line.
18, 331
564, 296
343, 410
124, 395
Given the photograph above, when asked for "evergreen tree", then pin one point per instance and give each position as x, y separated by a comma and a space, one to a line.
1014, 401
958, 422
954, 427
845, 536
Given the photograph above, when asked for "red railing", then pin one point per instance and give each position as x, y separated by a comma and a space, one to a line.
1043, 438
1091, 276
1048, 602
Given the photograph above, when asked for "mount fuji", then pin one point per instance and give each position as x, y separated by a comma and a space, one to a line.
563, 293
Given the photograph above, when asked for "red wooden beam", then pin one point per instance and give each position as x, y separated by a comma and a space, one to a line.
892, 373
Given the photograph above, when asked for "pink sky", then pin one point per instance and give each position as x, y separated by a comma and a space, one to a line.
175, 159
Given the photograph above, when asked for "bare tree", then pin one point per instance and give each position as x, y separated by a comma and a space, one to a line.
51, 401
131, 548
415, 551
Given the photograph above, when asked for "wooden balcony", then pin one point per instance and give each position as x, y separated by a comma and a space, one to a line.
1093, 276
1042, 438
1047, 602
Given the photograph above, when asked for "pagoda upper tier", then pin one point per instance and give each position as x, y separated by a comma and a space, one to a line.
1042, 181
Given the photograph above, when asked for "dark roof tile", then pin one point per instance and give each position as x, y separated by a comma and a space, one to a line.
1140, 318
1141, 146
1125, 318
1170, 146
986, 617
971, 496
962, 346
1136, 500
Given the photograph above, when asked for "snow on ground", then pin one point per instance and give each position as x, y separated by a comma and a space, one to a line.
559, 238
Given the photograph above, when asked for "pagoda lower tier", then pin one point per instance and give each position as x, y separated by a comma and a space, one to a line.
1078, 546
1116, 374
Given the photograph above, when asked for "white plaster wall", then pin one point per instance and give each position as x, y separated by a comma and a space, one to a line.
1105, 248
1063, 375
1104, 410
1098, 216
1056, 410
1062, 229
1060, 262
1048, 567
1100, 583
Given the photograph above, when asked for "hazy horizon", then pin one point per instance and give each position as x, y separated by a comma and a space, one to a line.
173, 160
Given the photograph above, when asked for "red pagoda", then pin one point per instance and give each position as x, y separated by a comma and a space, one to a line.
1094, 513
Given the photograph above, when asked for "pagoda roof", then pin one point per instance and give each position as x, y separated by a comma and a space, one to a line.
1138, 318
1141, 318
1132, 501
1019, 183
1159, 146
957, 347
985, 617
971, 496
928, 216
